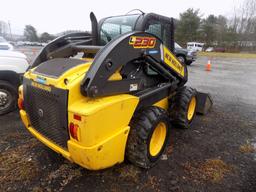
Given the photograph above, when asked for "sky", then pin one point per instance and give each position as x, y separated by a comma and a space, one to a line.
55, 16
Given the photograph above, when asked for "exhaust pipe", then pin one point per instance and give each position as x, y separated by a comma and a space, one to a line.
94, 29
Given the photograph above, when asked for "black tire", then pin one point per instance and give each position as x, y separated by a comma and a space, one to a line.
189, 62
179, 107
143, 125
182, 59
9, 92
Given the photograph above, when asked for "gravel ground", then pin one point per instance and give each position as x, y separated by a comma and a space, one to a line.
216, 154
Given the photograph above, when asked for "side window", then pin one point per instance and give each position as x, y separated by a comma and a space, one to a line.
109, 31
161, 30
155, 29
167, 34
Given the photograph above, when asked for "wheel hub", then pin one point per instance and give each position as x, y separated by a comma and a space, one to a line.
191, 108
4, 99
157, 139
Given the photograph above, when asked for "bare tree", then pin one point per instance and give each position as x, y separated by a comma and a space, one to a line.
3, 28
244, 23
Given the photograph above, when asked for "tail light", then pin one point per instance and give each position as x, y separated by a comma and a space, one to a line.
77, 117
73, 129
20, 104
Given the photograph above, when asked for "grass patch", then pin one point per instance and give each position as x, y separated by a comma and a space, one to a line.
129, 173
247, 148
151, 184
230, 55
64, 174
17, 165
212, 170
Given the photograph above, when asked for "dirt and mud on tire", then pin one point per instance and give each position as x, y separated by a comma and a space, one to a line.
182, 107
149, 136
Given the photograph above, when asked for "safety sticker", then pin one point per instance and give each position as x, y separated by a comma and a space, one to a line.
133, 87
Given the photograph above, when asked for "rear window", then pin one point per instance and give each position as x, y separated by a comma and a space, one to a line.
198, 45
115, 26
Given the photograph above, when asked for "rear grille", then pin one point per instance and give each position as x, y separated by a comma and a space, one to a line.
47, 112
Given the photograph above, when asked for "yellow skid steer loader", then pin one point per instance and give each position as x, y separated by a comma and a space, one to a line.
118, 100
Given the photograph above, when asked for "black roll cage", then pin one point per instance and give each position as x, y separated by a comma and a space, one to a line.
70, 44
141, 25
106, 61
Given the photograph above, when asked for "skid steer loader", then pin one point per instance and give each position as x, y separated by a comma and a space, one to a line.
119, 100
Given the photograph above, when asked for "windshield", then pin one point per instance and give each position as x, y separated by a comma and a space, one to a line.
115, 26
2, 40
177, 46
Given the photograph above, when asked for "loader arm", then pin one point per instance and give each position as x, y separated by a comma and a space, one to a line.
62, 47
129, 49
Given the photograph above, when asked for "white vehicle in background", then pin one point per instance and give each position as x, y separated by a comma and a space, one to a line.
4, 45
12, 66
209, 49
195, 46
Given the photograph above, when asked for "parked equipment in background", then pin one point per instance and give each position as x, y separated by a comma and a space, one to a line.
118, 101
195, 46
12, 66
215, 49
209, 49
4, 45
184, 55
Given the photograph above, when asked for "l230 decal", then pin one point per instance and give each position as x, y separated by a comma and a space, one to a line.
142, 42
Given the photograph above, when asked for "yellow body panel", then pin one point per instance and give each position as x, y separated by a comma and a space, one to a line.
103, 117
103, 129
116, 76
102, 155
164, 103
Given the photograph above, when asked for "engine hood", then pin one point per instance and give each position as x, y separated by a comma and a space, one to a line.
60, 72
57, 67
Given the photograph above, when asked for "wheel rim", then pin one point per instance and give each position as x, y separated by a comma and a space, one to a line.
191, 108
5, 99
157, 139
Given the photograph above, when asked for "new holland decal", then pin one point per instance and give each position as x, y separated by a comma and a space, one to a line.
170, 60
139, 42
41, 86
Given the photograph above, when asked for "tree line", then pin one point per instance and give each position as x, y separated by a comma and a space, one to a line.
236, 33
30, 34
